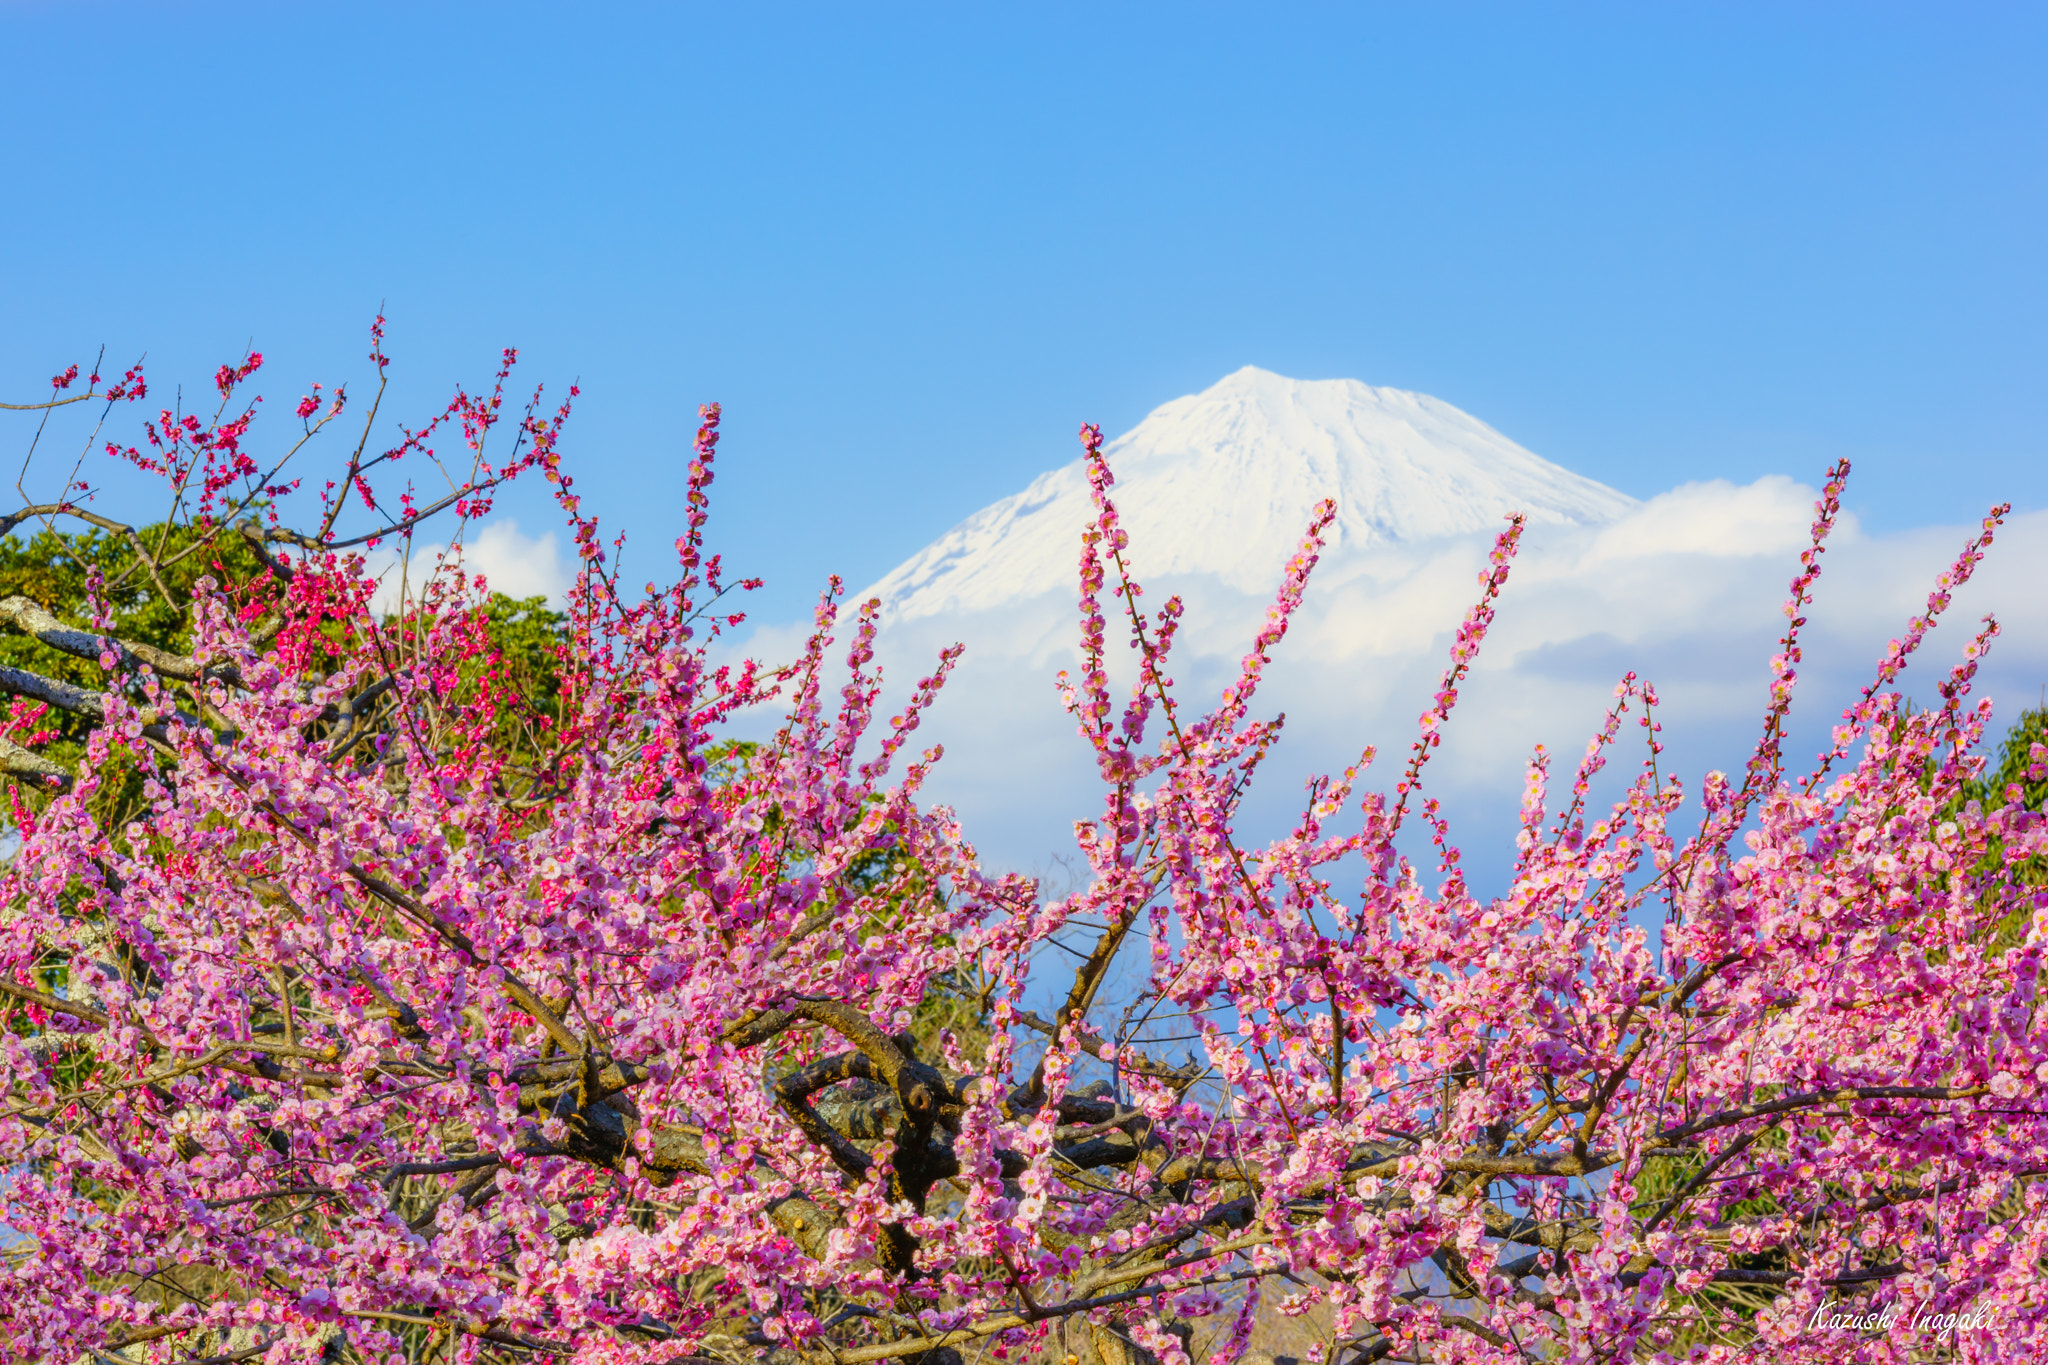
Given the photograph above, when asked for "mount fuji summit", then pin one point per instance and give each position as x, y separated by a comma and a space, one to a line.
1216, 490
1221, 484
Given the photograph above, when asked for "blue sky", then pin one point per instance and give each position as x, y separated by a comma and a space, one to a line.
911, 248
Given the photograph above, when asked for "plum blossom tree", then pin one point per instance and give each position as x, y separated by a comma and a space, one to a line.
391, 1016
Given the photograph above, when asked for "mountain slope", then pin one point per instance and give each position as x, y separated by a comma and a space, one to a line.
1222, 482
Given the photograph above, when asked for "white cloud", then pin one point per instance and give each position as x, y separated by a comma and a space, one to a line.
1685, 590
505, 558
1717, 518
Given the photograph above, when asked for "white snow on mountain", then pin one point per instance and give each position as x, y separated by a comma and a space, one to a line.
1223, 482
1683, 588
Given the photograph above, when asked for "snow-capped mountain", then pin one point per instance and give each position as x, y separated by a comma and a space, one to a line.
1222, 483
1216, 489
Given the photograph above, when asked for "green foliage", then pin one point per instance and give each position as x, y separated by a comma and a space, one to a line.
147, 598
53, 570
1994, 790
528, 636
147, 592
1708, 1310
